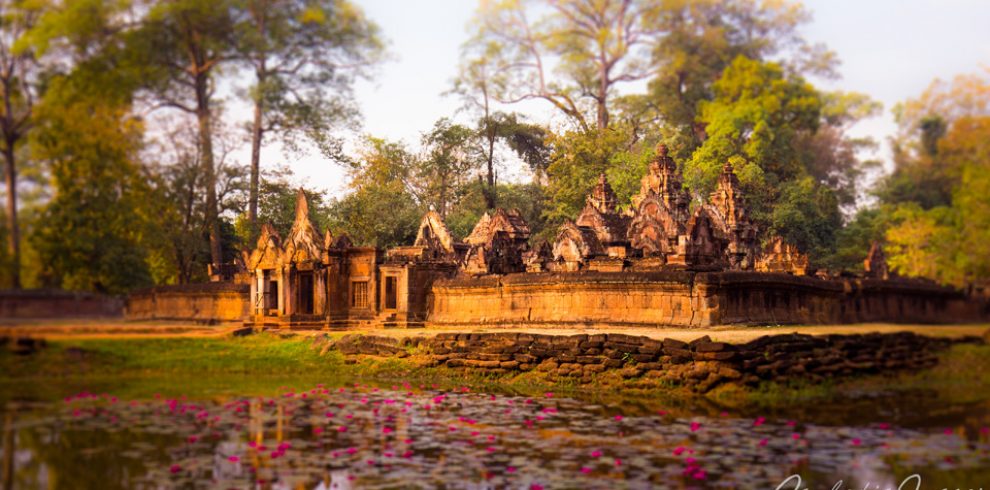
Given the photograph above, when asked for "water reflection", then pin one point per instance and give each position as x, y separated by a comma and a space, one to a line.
355, 436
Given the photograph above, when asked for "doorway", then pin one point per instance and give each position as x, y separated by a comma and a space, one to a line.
305, 298
391, 292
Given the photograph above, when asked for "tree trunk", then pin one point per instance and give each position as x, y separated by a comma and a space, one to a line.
13, 230
256, 134
490, 197
205, 121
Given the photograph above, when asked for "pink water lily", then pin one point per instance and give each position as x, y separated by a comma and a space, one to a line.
695, 426
759, 421
679, 450
618, 418
174, 469
856, 442
596, 454
510, 469
585, 470
763, 442
233, 459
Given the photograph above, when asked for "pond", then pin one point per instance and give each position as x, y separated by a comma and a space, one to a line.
338, 435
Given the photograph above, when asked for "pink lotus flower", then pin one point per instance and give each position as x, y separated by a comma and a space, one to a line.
585, 470
795, 436
759, 421
618, 462
679, 450
618, 418
233, 459
536, 486
856, 442
596, 454
791, 423
948, 431
329, 415
351, 450
699, 475
342, 428
174, 469
695, 426
548, 394
510, 469
386, 430
763, 442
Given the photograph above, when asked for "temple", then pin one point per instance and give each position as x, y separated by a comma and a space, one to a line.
660, 260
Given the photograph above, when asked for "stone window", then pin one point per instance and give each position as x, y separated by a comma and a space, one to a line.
359, 294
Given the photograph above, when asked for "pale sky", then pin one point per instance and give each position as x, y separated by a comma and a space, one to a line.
889, 49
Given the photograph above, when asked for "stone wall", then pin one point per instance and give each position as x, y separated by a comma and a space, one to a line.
700, 365
208, 302
47, 303
689, 299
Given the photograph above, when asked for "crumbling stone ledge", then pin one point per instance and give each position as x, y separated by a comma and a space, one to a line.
700, 365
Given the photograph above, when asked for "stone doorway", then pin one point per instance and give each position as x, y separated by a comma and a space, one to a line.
391, 292
305, 298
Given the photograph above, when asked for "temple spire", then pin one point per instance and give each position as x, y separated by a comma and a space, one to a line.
302, 207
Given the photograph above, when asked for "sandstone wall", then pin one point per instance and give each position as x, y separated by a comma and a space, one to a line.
640, 298
209, 302
45, 303
690, 299
700, 365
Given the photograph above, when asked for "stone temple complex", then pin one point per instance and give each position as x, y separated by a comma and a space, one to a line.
660, 261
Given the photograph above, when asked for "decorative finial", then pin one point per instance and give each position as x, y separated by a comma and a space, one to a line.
661, 150
727, 168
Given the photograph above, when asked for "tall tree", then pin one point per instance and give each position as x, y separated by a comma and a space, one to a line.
593, 45
474, 84
187, 42
90, 235
305, 56
19, 72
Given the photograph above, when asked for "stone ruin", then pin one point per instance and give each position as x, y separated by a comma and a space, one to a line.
313, 278
660, 230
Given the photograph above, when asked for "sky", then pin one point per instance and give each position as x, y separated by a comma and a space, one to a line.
889, 49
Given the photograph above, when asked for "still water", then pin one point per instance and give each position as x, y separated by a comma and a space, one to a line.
355, 435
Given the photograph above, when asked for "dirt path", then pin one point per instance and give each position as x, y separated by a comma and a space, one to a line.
115, 328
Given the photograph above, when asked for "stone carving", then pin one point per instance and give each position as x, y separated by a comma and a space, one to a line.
304, 243
497, 243
780, 256
875, 265
436, 240
539, 257
728, 212
574, 245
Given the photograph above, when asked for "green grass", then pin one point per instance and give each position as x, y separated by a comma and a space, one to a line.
266, 363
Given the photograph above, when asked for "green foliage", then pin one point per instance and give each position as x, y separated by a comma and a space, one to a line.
807, 215
380, 209
578, 158
90, 236
853, 241
756, 114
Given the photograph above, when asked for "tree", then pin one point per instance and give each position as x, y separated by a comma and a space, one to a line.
91, 233
936, 199
186, 42
700, 40
445, 168
305, 57
381, 208
19, 73
598, 45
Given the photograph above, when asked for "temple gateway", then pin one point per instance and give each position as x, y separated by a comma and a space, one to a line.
657, 263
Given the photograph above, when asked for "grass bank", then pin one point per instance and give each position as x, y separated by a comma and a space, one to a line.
264, 364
